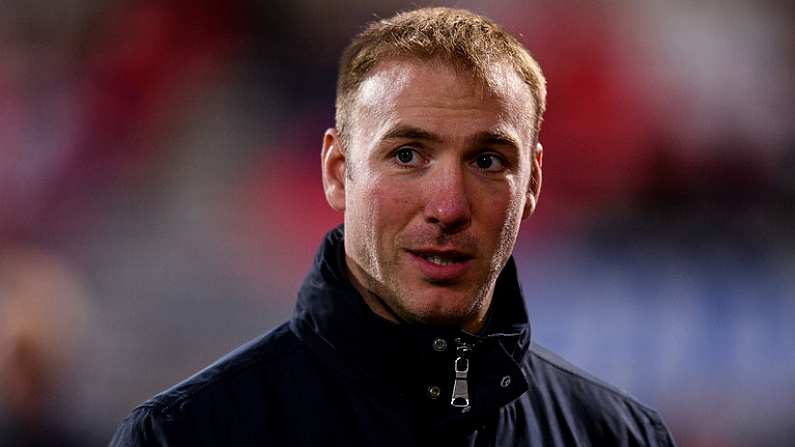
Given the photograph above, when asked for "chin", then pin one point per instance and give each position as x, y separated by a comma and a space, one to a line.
437, 319
443, 312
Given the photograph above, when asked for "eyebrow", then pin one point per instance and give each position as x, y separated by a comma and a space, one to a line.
495, 139
485, 138
411, 133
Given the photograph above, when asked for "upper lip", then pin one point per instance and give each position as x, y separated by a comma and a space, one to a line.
449, 254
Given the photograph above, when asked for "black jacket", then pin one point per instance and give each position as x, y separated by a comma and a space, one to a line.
337, 374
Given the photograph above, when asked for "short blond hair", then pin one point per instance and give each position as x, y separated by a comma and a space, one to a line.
456, 36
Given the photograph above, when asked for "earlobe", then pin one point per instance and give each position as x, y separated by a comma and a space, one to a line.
333, 165
534, 188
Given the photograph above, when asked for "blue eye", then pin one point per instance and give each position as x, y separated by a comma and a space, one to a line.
489, 162
406, 156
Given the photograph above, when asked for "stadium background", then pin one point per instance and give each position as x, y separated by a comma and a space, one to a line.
160, 197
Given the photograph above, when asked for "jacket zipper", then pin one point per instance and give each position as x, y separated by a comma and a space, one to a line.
460, 397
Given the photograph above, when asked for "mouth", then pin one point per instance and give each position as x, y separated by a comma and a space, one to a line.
441, 258
441, 265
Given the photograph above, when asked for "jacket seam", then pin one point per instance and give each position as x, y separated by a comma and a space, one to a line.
664, 437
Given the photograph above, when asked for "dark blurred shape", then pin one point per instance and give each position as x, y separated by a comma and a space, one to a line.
28, 383
42, 316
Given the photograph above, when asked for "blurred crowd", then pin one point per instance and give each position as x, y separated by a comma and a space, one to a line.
160, 198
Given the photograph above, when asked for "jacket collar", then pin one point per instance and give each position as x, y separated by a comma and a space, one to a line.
405, 361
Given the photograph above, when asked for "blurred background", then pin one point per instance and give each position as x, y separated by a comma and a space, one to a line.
160, 198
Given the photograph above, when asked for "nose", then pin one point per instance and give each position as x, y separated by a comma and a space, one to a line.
448, 204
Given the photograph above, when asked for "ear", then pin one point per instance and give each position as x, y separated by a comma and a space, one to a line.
534, 189
333, 162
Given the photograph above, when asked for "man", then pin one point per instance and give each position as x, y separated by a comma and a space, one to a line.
411, 328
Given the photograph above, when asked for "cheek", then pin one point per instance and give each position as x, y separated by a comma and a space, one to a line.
379, 207
502, 213
501, 205
389, 199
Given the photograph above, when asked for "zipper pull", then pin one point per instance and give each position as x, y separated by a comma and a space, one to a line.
460, 397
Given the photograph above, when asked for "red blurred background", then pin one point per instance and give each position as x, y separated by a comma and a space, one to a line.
160, 198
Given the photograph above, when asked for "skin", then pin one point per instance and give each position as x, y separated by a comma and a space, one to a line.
436, 164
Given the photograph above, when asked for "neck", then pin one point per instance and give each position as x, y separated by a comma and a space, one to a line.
373, 301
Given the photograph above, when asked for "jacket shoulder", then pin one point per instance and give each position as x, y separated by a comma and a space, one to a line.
139, 429
225, 392
592, 405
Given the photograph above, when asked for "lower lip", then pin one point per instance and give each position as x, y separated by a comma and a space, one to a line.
436, 272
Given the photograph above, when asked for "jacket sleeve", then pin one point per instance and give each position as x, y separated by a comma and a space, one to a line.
139, 429
663, 434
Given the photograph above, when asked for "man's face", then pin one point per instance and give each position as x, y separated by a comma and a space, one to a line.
434, 183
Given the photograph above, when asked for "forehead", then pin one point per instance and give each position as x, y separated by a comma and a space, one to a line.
425, 89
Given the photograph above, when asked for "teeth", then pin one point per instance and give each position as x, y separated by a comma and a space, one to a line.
438, 260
